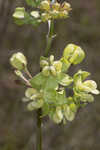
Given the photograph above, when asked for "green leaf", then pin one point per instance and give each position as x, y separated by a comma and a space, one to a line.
50, 96
64, 79
38, 81
51, 83
61, 98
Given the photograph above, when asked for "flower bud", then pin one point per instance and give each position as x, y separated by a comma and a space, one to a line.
46, 71
51, 59
35, 14
30, 92
18, 73
58, 115
18, 60
73, 107
63, 14
57, 65
35, 105
45, 17
56, 119
54, 14
45, 5
56, 6
81, 74
84, 97
53, 70
43, 63
92, 86
19, 13
68, 51
66, 6
74, 54
78, 56
69, 114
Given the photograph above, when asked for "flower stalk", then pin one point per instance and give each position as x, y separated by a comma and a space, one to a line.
39, 112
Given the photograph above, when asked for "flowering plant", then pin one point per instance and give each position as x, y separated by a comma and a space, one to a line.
46, 91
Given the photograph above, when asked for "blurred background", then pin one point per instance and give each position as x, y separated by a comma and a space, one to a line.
17, 125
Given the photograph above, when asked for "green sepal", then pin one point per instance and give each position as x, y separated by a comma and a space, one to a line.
54, 98
65, 64
51, 83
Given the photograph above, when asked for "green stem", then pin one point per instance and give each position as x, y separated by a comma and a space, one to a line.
39, 111
49, 37
39, 130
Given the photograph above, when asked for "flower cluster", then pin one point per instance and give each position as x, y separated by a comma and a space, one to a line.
49, 66
46, 10
47, 89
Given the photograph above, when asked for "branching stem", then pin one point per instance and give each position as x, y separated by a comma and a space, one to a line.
39, 112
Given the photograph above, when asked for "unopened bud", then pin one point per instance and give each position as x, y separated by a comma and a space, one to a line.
57, 65
45, 5
43, 63
46, 71
73, 53
35, 105
35, 14
73, 107
29, 92
51, 59
63, 14
45, 17
78, 56
66, 6
53, 70
18, 61
59, 113
92, 86
69, 114
18, 73
54, 14
19, 13
56, 6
